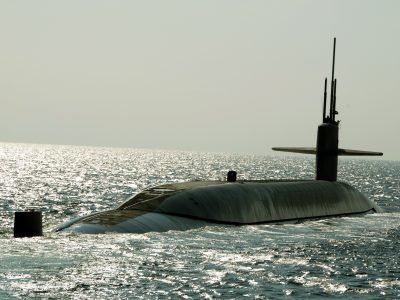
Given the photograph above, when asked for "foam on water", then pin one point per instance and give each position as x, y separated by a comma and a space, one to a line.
352, 256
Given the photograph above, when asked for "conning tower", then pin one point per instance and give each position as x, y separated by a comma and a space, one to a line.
327, 149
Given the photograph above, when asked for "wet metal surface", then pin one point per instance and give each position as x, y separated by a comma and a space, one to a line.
242, 202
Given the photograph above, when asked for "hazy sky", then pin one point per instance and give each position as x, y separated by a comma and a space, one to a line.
219, 76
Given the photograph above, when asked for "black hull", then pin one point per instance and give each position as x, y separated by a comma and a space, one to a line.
190, 205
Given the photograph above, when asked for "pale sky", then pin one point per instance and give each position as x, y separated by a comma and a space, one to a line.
218, 76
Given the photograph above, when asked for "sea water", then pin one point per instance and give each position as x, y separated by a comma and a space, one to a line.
354, 256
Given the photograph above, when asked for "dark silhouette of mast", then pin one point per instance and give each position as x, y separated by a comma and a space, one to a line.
324, 109
331, 112
334, 103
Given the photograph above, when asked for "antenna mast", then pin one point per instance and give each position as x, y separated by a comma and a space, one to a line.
332, 112
324, 110
334, 101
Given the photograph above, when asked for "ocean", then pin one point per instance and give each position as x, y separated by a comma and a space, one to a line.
354, 256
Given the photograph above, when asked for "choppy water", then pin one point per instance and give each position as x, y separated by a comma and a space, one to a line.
346, 257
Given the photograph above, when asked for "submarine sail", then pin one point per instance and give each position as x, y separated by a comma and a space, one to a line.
195, 204
327, 149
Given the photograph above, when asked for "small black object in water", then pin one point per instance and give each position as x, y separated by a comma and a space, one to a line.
28, 224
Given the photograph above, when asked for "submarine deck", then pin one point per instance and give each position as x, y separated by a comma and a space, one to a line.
148, 200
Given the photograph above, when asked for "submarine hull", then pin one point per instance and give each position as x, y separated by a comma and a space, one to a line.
191, 205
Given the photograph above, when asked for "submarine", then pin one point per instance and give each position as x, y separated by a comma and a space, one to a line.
194, 204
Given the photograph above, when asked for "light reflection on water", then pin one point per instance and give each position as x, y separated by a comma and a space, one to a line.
353, 256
